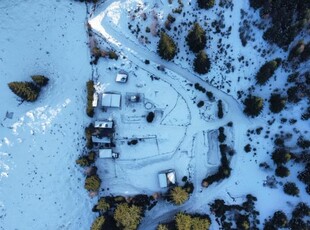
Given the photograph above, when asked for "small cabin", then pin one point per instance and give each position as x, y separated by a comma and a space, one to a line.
111, 100
107, 154
167, 178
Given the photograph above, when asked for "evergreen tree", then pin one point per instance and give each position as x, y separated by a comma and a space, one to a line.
178, 195
202, 63
297, 50
162, 227
290, 188
40, 80
276, 103
253, 105
196, 38
92, 183
28, 91
282, 171
279, 219
206, 4
281, 156
267, 70
127, 217
98, 223
166, 47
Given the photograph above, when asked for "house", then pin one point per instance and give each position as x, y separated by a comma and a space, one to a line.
111, 100
166, 178
103, 132
121, 77
107, 154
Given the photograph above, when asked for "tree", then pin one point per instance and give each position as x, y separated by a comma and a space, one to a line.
162, 227
127, 217
243, 222
40, 80
220, 112
98, 223
183, 221
150, 117
282, 171
202, 63
297, 50
200, 104
178, 195
290, 188
267, 70
206, 4
28, 91
166, 47
301, 210
196, 38
92, 183
279, 219
195, 222
253, 105
276, 103
90, 98
102, 205
281, 156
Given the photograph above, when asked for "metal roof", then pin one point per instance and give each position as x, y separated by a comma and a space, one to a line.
111, 100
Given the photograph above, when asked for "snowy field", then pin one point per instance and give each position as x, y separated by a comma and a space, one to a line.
40, 185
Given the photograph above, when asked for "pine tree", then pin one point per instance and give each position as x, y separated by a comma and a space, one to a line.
166, 47
178, 195
40, 80
127, 217
196, 38
267, 70
276, 103
28, 91
206, 4
202, 63
92, 183
290, 188
281, 156
253, 105
282, 171
98, 223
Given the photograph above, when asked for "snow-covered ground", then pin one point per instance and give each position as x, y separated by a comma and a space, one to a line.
40, 185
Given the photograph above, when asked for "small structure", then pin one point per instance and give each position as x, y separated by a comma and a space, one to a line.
103, 132
166, 178
111, 100
121, 77
107, 154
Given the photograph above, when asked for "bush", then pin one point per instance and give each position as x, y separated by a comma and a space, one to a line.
92, 183
200, 104
196, 38
281, 156
253, 105
220, 112
221, 136
291, 189
113, 55
150, 117
27, 91
282, 171
166, 47
40, 80
98, 223
90, 98
267, 70
178, 195
206, 4
276, 103
127, 217
202, 63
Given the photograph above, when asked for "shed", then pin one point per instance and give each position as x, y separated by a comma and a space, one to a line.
166, 178
105, 153
95, 100
111, 100
121, 77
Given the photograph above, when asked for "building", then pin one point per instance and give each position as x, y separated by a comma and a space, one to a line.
107, 154
121, 77
104, 124
166, 178
95, 100
111, 100
103, 132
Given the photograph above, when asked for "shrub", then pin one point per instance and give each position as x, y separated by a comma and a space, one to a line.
206, 4
113, 55
267, 70
253, 105
247, 148
210, 95
178, 195
27, 91
281, 156
196, 38
98, 223
92, 183
200, 104
150, 117
40, 80
127, 217
276, 103
90, 98
220, 112
202, 63
290, 188
221, 136
282, 171
166, 47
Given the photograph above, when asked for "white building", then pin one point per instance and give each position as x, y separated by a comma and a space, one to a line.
121, 77
95, 100
111, 100
104, 124
166, 178
105, 153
